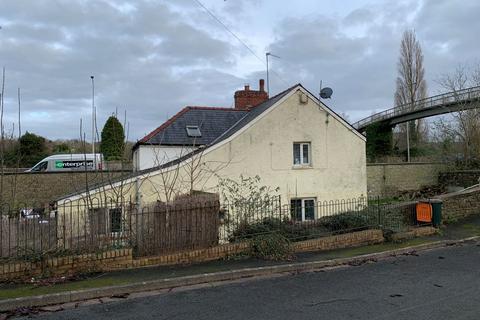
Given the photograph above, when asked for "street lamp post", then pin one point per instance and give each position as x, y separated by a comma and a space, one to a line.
93, 114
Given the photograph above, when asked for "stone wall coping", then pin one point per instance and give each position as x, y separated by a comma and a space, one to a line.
65, 172
459, 193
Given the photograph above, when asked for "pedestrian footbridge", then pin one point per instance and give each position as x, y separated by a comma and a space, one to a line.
465, 99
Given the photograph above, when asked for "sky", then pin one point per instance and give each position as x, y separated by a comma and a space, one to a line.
150, 58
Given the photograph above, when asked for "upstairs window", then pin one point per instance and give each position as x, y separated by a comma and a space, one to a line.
301, 154
193, 131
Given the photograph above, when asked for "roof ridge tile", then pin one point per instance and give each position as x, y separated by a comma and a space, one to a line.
212, 108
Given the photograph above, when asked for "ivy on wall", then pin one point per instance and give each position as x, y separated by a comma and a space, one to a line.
379, 140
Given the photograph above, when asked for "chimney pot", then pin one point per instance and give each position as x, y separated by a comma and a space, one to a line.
247, 99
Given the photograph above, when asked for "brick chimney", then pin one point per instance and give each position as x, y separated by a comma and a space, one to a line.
246, 99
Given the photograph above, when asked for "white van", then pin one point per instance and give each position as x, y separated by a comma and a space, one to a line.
70, 162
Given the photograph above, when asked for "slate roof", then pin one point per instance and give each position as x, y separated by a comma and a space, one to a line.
211, 121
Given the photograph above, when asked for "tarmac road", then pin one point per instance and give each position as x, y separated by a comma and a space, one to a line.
438, 284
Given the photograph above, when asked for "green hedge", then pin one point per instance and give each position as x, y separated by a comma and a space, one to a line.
298, 231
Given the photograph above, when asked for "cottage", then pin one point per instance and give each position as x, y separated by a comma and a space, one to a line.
292, 141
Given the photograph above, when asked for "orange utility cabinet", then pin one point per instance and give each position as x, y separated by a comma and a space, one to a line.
424, 212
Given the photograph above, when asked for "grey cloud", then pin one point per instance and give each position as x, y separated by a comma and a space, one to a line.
317, 39
362, 68
450, 28
359, 17
157, 57
358, 68
50, 51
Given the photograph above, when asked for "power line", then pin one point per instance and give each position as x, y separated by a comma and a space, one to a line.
236, 37
228, 30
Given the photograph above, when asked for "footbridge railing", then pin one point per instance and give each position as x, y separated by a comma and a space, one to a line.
438, 101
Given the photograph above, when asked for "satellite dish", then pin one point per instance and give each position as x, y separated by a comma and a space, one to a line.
326, 93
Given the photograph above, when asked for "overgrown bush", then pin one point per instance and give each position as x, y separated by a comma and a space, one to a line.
273, 246
250, 230
299, 231
346, 221
293, 231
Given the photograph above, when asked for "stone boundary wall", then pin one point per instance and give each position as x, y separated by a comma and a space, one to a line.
460, 205
123, 259
104, 261
390, 179
41, 188
347, 240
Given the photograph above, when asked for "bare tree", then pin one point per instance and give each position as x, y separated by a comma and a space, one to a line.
410, 85
189, 172
2, 136
461, 128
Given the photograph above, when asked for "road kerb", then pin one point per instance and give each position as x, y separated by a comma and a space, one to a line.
298, 267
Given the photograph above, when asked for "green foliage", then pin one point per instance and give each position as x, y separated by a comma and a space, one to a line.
449, 219
299, 231
346, 221
33, 148
416, 152
287, 228
272, 246
61, 148
379, 140
11, 157
113, 139
249, 230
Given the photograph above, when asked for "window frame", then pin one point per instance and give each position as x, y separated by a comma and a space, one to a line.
303, 207
191, 134
302, 156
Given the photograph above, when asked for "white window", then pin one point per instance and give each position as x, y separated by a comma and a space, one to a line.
301, 153
302, 209
193, 131
104, 221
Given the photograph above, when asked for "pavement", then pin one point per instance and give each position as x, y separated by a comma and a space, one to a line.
438, 284
224, 270
129, 276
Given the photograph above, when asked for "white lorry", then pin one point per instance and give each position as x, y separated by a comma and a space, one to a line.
70, 162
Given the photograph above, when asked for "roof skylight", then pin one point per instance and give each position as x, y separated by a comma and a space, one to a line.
193, 131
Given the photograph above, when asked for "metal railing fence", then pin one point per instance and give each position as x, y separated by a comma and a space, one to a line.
190, 223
